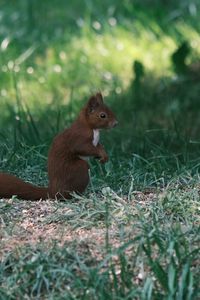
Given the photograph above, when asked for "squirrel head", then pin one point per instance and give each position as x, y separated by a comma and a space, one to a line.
99, 115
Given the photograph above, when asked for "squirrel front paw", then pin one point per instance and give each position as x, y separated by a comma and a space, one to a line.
103, 158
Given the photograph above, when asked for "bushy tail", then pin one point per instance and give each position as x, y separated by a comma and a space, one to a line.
11, 185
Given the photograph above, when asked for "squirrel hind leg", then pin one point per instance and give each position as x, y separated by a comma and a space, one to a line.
79, 176
76, 180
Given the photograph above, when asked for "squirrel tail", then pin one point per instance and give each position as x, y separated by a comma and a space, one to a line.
11, 185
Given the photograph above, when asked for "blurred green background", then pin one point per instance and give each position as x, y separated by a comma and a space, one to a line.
142, 55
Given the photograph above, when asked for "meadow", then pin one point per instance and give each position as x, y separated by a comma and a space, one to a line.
134, 234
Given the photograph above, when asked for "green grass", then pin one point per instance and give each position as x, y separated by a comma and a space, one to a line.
134, 234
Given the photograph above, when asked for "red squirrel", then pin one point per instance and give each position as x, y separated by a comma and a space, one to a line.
67, 164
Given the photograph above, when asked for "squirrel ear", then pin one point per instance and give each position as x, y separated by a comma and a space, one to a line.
94, 102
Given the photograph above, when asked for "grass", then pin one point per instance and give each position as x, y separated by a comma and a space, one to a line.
134, 234
102, 249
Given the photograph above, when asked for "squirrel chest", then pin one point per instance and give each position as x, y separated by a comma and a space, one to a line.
96, 137
95, 141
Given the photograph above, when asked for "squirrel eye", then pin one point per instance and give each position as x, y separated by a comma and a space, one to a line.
102, 115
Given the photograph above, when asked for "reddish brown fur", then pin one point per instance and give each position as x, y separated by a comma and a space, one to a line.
66, 170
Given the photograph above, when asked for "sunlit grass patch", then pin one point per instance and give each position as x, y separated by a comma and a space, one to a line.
93, 58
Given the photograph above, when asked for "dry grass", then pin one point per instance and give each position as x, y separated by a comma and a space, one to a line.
25, 223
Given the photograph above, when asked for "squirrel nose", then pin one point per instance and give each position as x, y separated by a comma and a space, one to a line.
115, 123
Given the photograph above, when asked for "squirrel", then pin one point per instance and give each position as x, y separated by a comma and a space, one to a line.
68, 169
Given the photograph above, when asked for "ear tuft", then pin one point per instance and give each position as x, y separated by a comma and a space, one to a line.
99, 97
